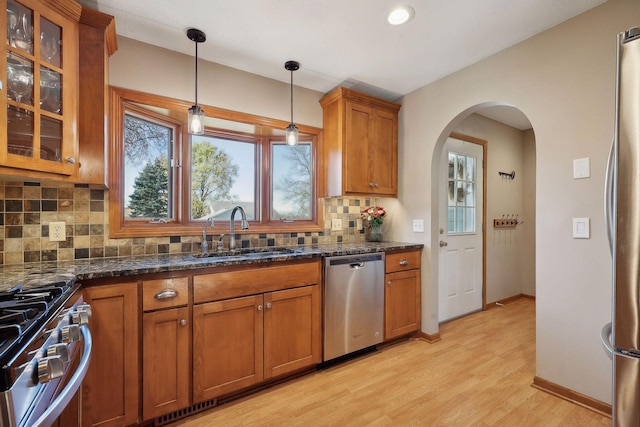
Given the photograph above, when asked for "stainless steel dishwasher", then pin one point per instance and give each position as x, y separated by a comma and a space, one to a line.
353, 303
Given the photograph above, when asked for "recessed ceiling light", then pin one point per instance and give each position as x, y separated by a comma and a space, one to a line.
400, 15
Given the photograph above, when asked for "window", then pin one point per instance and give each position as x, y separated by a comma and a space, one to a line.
164, 181
148, 191
461, 200
291, 183
223, 175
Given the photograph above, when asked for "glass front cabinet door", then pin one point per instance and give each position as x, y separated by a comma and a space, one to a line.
40, 85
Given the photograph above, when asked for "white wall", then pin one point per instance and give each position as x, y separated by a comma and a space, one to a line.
505, 247
528, 251
563, 80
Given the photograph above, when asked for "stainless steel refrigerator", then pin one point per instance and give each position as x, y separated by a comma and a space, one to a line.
622, 336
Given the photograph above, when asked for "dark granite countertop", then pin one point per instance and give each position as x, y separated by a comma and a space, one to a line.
38, 274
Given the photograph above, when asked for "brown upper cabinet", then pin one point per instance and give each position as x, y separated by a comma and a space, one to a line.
361, 144
44, 103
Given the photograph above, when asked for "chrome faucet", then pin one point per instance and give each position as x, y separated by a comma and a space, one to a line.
244, 224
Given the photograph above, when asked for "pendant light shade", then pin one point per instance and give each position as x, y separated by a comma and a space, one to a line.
291, 133
195, 121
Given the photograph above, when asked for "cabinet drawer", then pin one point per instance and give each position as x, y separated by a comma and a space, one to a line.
165, 293
256, 280
401, 261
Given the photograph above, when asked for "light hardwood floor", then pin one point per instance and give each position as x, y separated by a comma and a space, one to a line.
480, 374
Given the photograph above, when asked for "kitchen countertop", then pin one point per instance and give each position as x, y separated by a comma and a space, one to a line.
38, 274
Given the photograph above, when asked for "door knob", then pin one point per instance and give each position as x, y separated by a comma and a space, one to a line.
443, 243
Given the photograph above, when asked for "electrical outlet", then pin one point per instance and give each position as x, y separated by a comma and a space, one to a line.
57, 231
418, 226
336, 224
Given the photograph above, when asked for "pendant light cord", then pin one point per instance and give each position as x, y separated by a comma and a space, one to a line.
196, 73
292, 96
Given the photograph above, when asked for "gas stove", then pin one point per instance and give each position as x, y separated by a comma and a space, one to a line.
41, 361
23, 312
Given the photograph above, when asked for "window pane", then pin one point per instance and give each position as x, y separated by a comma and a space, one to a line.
451, 220
223, 175
452, 163
470, 195
291, 181
147, 178
462, 193
470, 220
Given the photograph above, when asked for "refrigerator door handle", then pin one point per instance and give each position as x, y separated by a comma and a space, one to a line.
609, 188
605, 337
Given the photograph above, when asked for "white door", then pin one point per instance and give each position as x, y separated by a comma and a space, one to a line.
460, 234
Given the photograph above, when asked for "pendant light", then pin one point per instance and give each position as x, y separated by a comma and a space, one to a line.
291, 133
196, 114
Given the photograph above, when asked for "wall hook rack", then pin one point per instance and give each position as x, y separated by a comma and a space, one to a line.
507, 175
507, 221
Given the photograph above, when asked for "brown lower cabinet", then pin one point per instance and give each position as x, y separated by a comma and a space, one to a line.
239, 342
110, 394
402, 293
167, 341
165, 361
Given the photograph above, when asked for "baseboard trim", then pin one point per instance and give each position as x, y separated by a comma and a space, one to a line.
504, 301
430, 338
572, 396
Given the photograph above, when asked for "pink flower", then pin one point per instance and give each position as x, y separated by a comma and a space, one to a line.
374, 215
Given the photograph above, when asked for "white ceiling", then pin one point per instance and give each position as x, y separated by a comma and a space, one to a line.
341, 42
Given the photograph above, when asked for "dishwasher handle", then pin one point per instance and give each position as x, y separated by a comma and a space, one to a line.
356, 265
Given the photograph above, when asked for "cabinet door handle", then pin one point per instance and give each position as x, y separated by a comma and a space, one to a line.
371, 184
268, 305
389, 283
260, 307
183, 322
166, 294
71, 160
375, 184
404, 262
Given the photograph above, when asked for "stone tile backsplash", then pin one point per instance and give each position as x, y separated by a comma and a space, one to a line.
27, 208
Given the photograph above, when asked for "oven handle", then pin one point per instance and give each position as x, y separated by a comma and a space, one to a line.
60, 403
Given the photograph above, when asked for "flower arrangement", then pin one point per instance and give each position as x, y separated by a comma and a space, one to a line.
374, 215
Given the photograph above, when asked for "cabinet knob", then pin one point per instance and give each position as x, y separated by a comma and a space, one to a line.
404, 262
260, 307
371, 184
375, 184
389, 283
183, 322
71, 160
268, 305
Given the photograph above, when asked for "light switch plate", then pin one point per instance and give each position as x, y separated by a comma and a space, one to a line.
581, 168
336, 224
57, 231
418, 226
581, 228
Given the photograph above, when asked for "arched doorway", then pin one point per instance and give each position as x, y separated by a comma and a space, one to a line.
508, 252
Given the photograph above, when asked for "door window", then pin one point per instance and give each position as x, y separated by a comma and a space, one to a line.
461, 200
